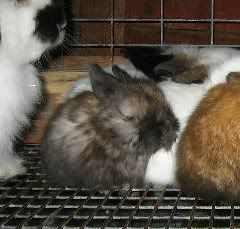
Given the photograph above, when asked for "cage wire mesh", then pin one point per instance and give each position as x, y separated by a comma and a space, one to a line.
28, 201
214, 26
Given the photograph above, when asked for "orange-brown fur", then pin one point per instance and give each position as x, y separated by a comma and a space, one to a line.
208, 162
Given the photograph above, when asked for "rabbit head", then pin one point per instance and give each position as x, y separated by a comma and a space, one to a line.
135, 110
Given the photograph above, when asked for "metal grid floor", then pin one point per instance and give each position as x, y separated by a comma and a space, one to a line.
28, 202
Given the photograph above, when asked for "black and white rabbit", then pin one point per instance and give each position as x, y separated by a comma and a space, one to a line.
104, 138
28, 29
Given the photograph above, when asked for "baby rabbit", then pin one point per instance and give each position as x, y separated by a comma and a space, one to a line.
208, 155
28, 29
104, 138
183, 98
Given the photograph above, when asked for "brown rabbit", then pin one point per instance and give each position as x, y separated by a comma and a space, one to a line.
104, 138
208, 156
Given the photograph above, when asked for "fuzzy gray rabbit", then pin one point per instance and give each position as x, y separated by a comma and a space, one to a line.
104, 138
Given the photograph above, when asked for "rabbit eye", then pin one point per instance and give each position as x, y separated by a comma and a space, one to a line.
129, 118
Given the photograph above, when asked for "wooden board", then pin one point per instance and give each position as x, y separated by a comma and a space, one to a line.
57, 84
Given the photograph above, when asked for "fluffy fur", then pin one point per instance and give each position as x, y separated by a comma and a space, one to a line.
21, 44
183, 98
208, 158
104, 138
182, 64
187, 65
219, 74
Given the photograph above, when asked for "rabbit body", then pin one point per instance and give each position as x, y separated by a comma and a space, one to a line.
104, 138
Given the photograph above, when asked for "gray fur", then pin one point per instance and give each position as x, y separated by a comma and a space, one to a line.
104, 138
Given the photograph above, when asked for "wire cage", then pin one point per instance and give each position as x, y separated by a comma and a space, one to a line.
102, 28
28, 201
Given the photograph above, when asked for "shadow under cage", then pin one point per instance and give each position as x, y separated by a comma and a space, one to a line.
101, 28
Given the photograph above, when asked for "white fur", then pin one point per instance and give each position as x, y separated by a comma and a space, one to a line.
211, 57
78, 87
218, 74
183, 99
161, 168
17, 27
19, 83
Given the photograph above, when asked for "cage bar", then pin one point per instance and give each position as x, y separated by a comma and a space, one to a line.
28, 201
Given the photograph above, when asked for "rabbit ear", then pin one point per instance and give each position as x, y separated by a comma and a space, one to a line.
120, 74
232, 76
105, 86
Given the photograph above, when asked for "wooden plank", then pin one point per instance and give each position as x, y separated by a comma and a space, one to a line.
143, 9
120, 8
227, 9
92, 8
196, 9
57, 84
